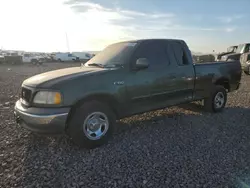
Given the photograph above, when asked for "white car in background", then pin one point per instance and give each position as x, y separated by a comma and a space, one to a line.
32, 58
61, 57
1, 58
83, 56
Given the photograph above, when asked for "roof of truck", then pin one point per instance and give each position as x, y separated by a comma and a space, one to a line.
154, 39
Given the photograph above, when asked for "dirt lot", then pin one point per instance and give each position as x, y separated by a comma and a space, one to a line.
177, 147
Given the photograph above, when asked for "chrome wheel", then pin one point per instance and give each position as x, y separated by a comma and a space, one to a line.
95, 125
219, 100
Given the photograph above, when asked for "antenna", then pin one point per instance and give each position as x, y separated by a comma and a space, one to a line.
67, 41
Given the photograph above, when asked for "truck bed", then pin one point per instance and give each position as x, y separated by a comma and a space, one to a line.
228, 72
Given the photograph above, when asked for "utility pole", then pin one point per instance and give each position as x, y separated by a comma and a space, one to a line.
67, 41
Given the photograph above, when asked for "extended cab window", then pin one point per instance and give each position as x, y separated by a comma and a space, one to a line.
154, 51
176, 54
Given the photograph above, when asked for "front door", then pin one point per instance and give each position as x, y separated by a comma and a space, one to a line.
182, 71
146, 88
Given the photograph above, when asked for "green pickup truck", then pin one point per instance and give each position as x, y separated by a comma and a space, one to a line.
124, 79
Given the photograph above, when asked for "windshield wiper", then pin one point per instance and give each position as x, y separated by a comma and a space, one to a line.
96, 65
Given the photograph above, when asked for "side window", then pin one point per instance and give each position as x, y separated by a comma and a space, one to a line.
176, 54
69, 55
154, 51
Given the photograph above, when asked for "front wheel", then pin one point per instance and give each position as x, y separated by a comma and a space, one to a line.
91, 125
217, 100
246, 72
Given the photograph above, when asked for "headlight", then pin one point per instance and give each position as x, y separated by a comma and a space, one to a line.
224, 58
47, 97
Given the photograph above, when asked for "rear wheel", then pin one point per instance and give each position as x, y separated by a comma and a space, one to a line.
91, 125
217, 100
34, 61
247, 72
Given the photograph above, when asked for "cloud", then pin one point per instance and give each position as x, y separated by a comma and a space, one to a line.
134, 21
89, 5
81, 6
229, 19
131, 12
122, 22
230, 29
102, 24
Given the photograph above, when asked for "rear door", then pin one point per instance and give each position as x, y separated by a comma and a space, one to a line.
182, 71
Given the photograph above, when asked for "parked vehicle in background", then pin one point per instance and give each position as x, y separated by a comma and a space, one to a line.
245, 62
13, 58
230, 50
61, 57
46, 57
124, 79
241, 49
53, 56
1, 58
83, 56
32, 58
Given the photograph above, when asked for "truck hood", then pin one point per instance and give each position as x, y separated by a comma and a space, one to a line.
60, 75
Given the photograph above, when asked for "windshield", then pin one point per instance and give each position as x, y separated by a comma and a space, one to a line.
113, 55
240, 48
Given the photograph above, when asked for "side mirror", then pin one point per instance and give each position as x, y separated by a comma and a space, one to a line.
141, 63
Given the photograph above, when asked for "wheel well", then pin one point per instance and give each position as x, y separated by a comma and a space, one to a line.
223, 82
105, 98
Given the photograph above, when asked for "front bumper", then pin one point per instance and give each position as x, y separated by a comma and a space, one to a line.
41, 120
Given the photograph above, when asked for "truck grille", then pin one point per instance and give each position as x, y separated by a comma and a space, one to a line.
26, 94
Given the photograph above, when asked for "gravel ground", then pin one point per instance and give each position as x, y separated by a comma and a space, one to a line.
178, 147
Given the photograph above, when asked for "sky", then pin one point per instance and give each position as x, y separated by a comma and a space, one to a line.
45, 25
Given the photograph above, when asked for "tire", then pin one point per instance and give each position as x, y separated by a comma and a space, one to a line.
219, 92
33, 62
247, 72
78, 126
